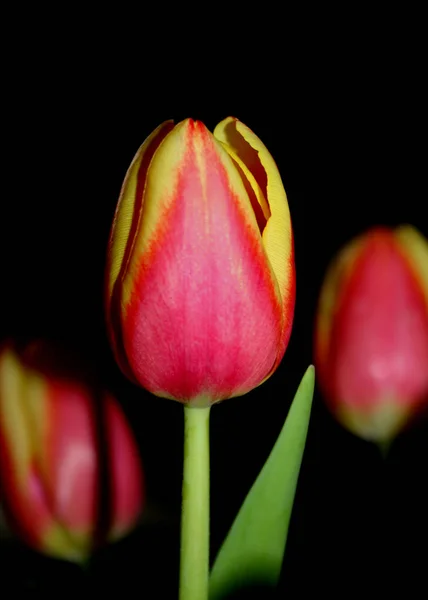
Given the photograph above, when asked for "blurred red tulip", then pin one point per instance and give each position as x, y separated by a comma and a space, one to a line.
63, 443
371, 334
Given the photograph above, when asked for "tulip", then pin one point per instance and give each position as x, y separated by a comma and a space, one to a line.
52, 458
200, 282
371, 333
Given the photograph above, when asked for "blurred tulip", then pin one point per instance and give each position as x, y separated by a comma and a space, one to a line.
371, 334
63, 443
200, 282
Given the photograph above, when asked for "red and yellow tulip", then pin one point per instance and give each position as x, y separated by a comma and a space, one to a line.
50, 454
371, 334
200, 284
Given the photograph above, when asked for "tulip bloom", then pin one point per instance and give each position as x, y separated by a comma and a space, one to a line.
200, 283
371, 335
53, 427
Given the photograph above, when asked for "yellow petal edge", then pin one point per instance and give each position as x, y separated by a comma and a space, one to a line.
277, 235
124, 214
415, 246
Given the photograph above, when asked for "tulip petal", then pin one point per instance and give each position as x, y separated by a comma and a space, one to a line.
22, 486
13, 423
61, 427
73, 460
125, 224
201, 306
415, 247
129, 206
336, 278
126, 474
277, 235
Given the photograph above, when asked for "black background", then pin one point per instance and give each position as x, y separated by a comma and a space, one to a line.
343, 114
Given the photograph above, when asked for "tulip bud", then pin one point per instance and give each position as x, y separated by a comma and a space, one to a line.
200, 282
371, 334
63, 441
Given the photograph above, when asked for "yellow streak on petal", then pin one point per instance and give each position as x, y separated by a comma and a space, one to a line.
227, 156
158, 194
379, 425
251, 179
13, 421
415, 247
125, 211
24, 419
39, 422
58, 542
277, 235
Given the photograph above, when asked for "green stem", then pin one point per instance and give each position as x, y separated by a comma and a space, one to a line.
195, 509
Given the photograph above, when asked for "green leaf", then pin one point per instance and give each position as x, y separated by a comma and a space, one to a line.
253, 550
